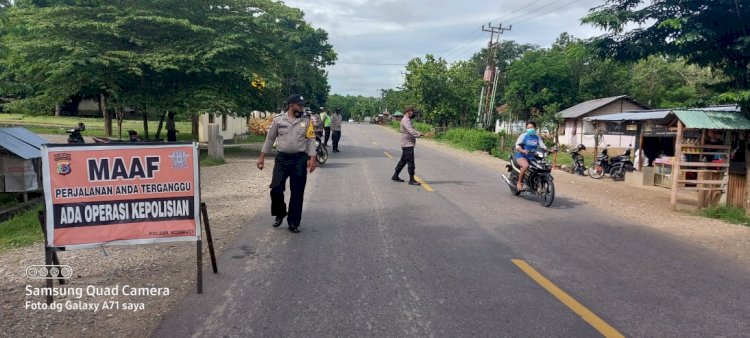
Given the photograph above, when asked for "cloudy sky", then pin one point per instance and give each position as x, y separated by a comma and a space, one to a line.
374, 38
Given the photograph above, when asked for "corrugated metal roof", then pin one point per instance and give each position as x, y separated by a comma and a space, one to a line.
22, 142
632, 116
702, 119
589, 106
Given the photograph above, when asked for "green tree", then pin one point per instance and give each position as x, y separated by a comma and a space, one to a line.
711, 34
190, 56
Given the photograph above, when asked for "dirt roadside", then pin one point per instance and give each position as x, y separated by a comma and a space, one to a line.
170, 265
645, 206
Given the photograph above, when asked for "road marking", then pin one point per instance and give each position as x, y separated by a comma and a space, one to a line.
389, 155
423, 184
591, 318
375, 144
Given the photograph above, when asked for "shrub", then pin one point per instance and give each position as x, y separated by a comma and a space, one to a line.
471, 139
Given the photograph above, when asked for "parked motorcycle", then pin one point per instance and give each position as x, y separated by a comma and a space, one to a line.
620, 165
601, 165
75, 133
578, 163
321, 151
537, 180
616, 167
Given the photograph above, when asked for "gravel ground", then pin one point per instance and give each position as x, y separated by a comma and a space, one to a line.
233, 192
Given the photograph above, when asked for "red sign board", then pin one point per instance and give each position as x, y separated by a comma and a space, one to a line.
121, 194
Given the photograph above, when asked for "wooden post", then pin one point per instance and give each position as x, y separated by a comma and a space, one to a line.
747, 180
725, 186
702, 195
676, 165
215, 142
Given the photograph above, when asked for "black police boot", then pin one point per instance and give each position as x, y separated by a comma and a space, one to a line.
294, 228
278, 221
412, 181
396, 178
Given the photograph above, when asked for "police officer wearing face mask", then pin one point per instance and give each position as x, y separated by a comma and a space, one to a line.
295, 157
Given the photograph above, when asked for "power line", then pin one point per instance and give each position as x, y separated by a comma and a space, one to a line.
543, 14
522, 8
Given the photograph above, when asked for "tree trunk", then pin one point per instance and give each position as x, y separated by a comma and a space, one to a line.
145, 125
119, 113
161, 123
105, 113
194, 127
57, 109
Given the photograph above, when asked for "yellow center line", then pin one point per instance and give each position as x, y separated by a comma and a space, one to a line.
591, 318
423, 184
389, 155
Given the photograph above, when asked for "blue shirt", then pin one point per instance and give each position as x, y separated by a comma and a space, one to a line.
530, 143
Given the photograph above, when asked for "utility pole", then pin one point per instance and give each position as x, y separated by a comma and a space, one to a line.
487, 102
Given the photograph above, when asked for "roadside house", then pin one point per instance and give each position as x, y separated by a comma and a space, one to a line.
577, 130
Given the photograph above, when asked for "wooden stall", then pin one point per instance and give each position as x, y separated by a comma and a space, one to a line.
702, 167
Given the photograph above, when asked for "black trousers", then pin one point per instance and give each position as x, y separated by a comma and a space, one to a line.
336, 138
328, 135
294, 167
407, 157
171, 136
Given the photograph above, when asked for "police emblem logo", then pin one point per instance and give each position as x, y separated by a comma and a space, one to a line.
302, 124
62, 163
179, 159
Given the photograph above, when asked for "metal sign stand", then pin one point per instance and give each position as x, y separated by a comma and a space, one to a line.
51, 259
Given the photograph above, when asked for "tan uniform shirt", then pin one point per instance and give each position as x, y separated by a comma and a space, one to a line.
336, 122
293, 136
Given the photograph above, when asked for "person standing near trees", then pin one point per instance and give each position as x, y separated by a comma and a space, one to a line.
409, 137
171, 128
295, 157
326, 126
336, 121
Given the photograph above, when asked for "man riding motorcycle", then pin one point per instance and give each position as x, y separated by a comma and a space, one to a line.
526, 145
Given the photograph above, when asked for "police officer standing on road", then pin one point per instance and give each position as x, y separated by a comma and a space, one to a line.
296, 155
336, 120
408, 141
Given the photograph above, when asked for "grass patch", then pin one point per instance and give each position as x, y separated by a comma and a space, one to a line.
206, 161
8, 200
21, 230
94, 126
249, 138
728, 214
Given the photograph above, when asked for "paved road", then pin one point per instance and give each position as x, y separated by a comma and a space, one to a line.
384, 259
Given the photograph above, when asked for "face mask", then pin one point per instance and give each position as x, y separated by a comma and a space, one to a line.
530, 132
297, 113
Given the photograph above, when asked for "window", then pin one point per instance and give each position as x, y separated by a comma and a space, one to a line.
223, 122
211, 118
588, 128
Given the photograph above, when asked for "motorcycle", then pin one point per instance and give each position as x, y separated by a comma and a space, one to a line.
321, 151
615, 167
75, 133
602, 165
578, 164
620, 165
537, 180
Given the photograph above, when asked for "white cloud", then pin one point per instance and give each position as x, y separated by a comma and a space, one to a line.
393, 32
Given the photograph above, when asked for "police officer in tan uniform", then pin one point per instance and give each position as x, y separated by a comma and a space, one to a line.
295, 157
